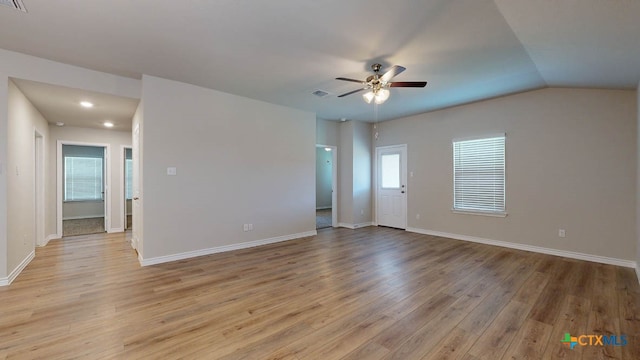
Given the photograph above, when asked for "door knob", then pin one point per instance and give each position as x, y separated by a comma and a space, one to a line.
136, 198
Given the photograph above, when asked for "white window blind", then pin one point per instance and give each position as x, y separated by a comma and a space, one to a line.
83, 172
479, 175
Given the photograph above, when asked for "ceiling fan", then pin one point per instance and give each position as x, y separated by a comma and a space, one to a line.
378, 85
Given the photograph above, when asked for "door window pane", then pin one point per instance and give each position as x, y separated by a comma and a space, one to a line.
390, 171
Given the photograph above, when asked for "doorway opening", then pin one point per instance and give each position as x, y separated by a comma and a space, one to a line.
326, 186
83, 188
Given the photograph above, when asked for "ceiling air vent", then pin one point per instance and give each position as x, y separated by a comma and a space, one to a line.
320, 93
16, 4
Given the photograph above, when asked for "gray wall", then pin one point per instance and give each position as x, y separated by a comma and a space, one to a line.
238, 161
571, 164
327, 132
362, 158
82, 209
638, 184
4, 147
324, 164
345, 173
354, 173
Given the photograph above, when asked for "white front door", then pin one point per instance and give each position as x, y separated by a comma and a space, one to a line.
391, 188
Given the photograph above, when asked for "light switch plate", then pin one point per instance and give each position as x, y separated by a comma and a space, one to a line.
171, 171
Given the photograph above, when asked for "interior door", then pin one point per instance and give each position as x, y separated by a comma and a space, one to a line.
105, 190
391, 188
136, 232
127, 172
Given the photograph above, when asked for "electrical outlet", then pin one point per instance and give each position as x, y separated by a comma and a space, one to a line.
562, 233
245, 227
250, 227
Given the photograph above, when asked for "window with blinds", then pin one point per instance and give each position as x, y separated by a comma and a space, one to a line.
479, 175
83, 172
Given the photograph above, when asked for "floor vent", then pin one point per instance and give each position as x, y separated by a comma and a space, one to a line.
16, 4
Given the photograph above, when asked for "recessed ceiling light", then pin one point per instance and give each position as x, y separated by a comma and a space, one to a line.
59, 123
108, 124
86, 104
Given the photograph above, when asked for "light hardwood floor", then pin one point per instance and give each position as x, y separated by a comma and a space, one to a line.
371, 293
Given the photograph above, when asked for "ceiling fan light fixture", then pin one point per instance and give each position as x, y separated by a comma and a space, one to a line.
368, 97
378, 85
381, 96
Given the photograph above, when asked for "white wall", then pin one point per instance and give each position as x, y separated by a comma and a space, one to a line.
116, 139
324, 166
24, 120
238, 161
571, 163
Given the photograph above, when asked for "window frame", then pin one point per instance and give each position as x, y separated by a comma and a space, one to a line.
64, 180
469, 211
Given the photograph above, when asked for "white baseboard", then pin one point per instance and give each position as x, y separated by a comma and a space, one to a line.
638, 272
14, 274
219, 249
355, 226
49, 238
537, 249
115, 230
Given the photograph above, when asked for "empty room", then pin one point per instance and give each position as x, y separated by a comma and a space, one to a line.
296, 179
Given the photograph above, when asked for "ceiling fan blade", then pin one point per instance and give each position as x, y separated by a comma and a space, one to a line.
417, 84
395, 70
352, 92
352, 80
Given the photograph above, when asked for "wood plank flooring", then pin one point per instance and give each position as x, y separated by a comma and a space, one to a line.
371, 293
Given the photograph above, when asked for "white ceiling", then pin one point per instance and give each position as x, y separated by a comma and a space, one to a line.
281, 51
62, 104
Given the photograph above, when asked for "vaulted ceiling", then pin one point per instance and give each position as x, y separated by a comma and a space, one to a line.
281, 51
